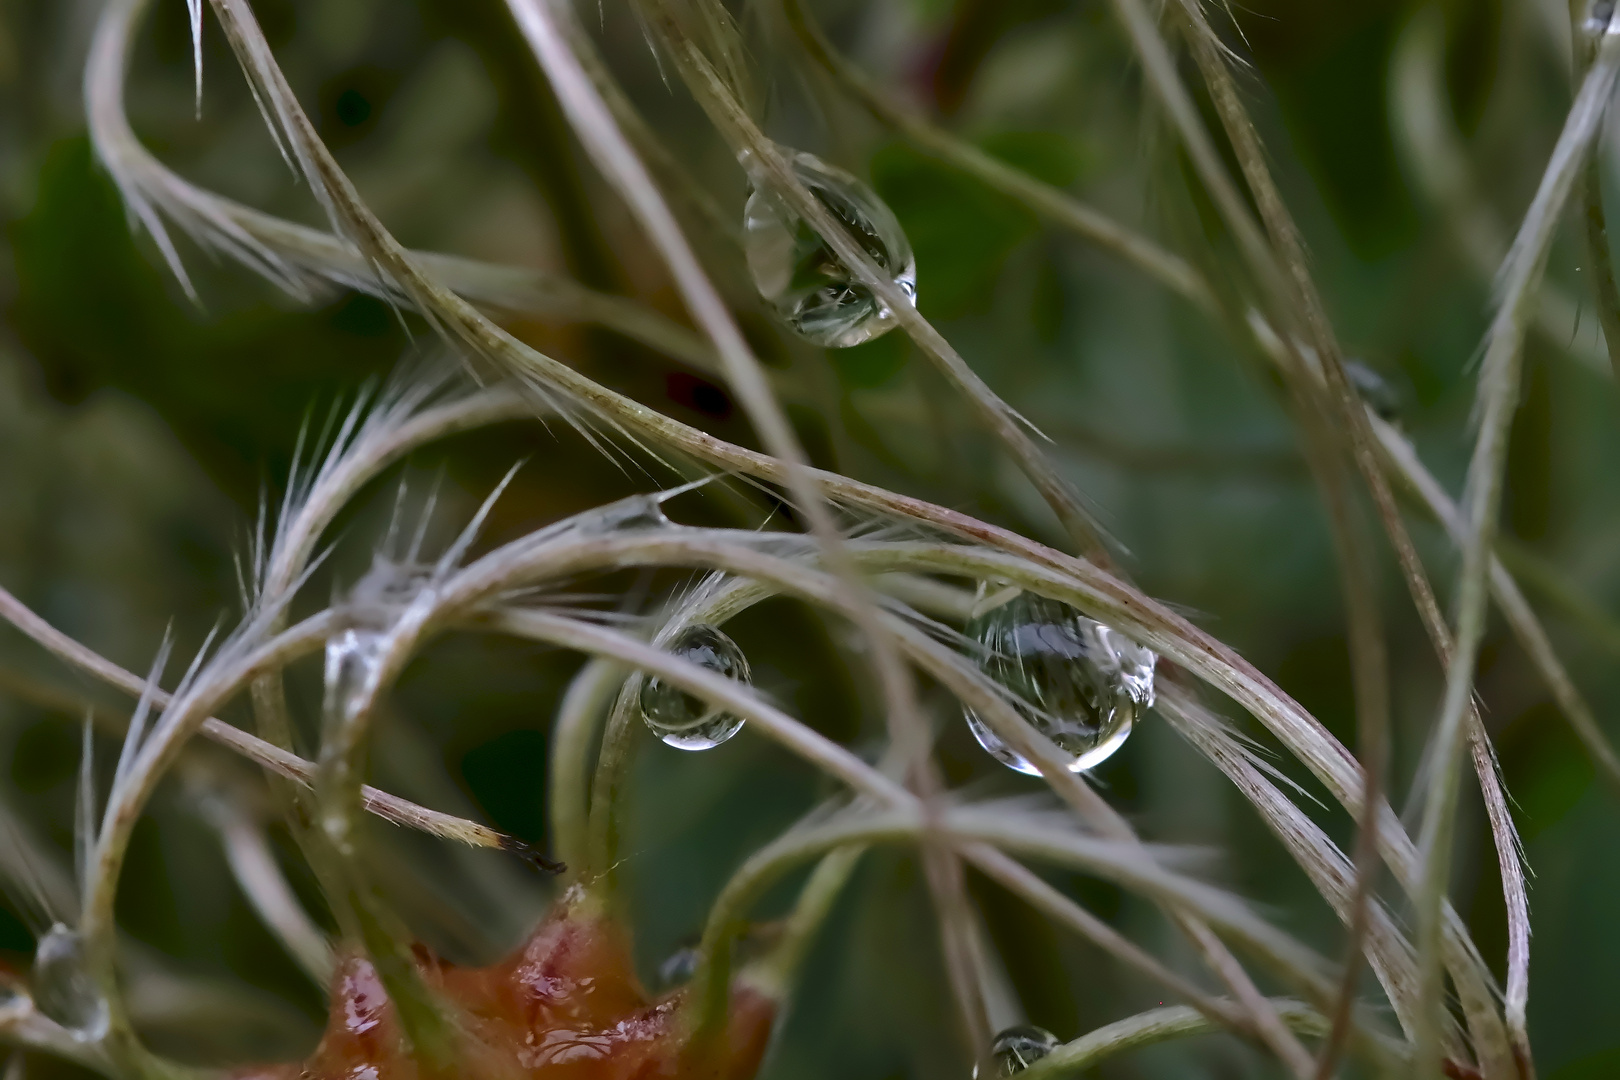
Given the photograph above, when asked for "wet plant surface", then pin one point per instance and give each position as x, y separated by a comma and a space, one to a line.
1049, 466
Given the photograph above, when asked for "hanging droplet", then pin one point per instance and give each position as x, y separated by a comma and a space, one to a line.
1375, 391
680, 719
352, 659
1017, 1048
795, 268
63, 989
1080, 683
679, 967
628, 514
1599, 17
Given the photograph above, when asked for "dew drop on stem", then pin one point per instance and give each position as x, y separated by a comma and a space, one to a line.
1375, 391
679, 967
1079, 682
637, 512
352, 658
796, 269
686, 721
63, 990
1598, 18
1017, 1048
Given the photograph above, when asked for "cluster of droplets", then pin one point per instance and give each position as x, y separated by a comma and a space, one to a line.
1079, 682
62, 988
685, 721
1017, 1048
797, 270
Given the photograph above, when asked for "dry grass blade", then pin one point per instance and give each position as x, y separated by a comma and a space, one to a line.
1497, 398
266, 755
594, 123
945, 665
1515, 608
737, 126
1339, 881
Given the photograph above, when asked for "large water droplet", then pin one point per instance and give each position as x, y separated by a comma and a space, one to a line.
1017, 1048
63, 989
797, 271
1079, 682
680, 719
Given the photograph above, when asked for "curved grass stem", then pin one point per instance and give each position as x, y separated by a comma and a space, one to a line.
1151, 1028
1497, 399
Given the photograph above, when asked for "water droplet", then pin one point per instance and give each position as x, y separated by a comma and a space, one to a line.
13, 996
680, 719
1079, 682
1599, 18
633, 512
1017, 1048
795, 268
63, 989
1375, 390
680, 966
352, 659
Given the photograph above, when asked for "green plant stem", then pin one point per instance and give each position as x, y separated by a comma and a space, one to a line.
773, 973
573, 736
1150, 1028
240, 660
740, 131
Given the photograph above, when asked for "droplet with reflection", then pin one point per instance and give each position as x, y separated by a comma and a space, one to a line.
1017, 1048
1079, 682
799, 273
686, 721
63, 989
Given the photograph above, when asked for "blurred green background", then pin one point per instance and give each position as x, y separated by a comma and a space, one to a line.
139, 431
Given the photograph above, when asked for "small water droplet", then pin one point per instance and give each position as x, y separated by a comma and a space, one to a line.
795, 268
13, 996
1375, 390
679, 967
352, 659
634, 512
1599, 17
63, 989
680, 719
1079, 682
1017, 1048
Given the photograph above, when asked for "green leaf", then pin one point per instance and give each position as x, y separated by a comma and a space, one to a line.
961, 231
1047, 156
871, 363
